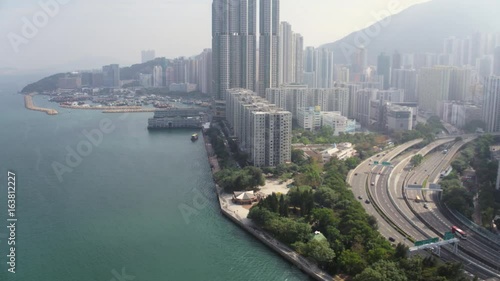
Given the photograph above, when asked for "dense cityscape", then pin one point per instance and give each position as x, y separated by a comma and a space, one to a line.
378, 166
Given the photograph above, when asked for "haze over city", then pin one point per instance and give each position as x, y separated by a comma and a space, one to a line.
86, 34
236, 140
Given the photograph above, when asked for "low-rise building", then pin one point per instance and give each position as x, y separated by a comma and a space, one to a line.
182, 87
398, 118
309, 118
341, 151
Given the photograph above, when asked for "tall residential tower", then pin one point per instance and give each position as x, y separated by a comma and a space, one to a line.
269, 45
234, 45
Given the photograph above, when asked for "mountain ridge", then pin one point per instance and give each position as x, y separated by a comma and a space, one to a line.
422, 28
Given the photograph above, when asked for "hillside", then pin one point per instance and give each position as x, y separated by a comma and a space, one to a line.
422, 28
126, 73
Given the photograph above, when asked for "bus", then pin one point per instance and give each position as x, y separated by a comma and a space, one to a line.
458, 232
417, 199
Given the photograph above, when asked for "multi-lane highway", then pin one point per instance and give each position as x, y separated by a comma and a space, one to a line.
401, 218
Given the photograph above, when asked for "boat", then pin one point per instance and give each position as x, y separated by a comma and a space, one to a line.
194, 137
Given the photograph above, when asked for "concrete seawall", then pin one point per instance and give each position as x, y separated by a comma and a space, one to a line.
29, 104
290, 255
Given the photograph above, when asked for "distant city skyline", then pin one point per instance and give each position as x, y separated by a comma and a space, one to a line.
116, 33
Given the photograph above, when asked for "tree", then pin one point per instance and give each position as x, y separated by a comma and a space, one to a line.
417, 160
297, 156
460, 165
401, 251
351, 262
382, 271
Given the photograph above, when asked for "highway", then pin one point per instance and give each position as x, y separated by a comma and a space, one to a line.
476, 246
401, 218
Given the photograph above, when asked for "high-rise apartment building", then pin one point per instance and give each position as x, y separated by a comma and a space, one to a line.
363, 105
341, 73
397, 60
491, 104
157, 76
205, 71
111, 76
269, 18
496, 61
294, 97
384, 69
460, 84
234, 42
406, 79
147, 55
433, 87
263, 129
290, 55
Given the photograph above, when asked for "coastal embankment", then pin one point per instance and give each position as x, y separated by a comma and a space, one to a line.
29, 104
293, 257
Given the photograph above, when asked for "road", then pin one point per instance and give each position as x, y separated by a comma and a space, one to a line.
403, 219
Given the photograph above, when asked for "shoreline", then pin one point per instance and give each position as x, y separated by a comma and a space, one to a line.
284, 251
30, 105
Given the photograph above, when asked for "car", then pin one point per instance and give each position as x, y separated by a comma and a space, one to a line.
392, 239
367, 201
369, 164
378, 155
373, 183
359, 197
426, 206
415, 182
380, 173
355, 174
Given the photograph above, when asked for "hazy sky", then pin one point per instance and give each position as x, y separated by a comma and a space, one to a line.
89, 32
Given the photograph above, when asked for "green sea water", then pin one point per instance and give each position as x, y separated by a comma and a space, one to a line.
132, 205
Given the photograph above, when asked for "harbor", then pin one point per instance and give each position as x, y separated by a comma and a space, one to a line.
29, 104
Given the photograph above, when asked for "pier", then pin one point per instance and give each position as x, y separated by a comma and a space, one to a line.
28, 103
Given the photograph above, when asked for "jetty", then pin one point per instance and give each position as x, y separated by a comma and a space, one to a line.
29, 104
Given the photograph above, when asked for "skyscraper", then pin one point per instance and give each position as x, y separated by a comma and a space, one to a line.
491, 104
460, 82
406, 79
111, 76
433, 87
286, 55
298, 62
324, 68
157, 76
269, 45
496, 63
384, 69
309, 59
233, 45
396, 60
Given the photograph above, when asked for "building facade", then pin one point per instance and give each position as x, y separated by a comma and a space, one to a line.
433, 87
269, 26
264, 130
234, 45
491, 105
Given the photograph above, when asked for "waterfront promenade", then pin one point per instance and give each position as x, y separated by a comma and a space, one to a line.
286, 252
29, 104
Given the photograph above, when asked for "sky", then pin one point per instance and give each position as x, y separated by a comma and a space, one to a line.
89, 33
